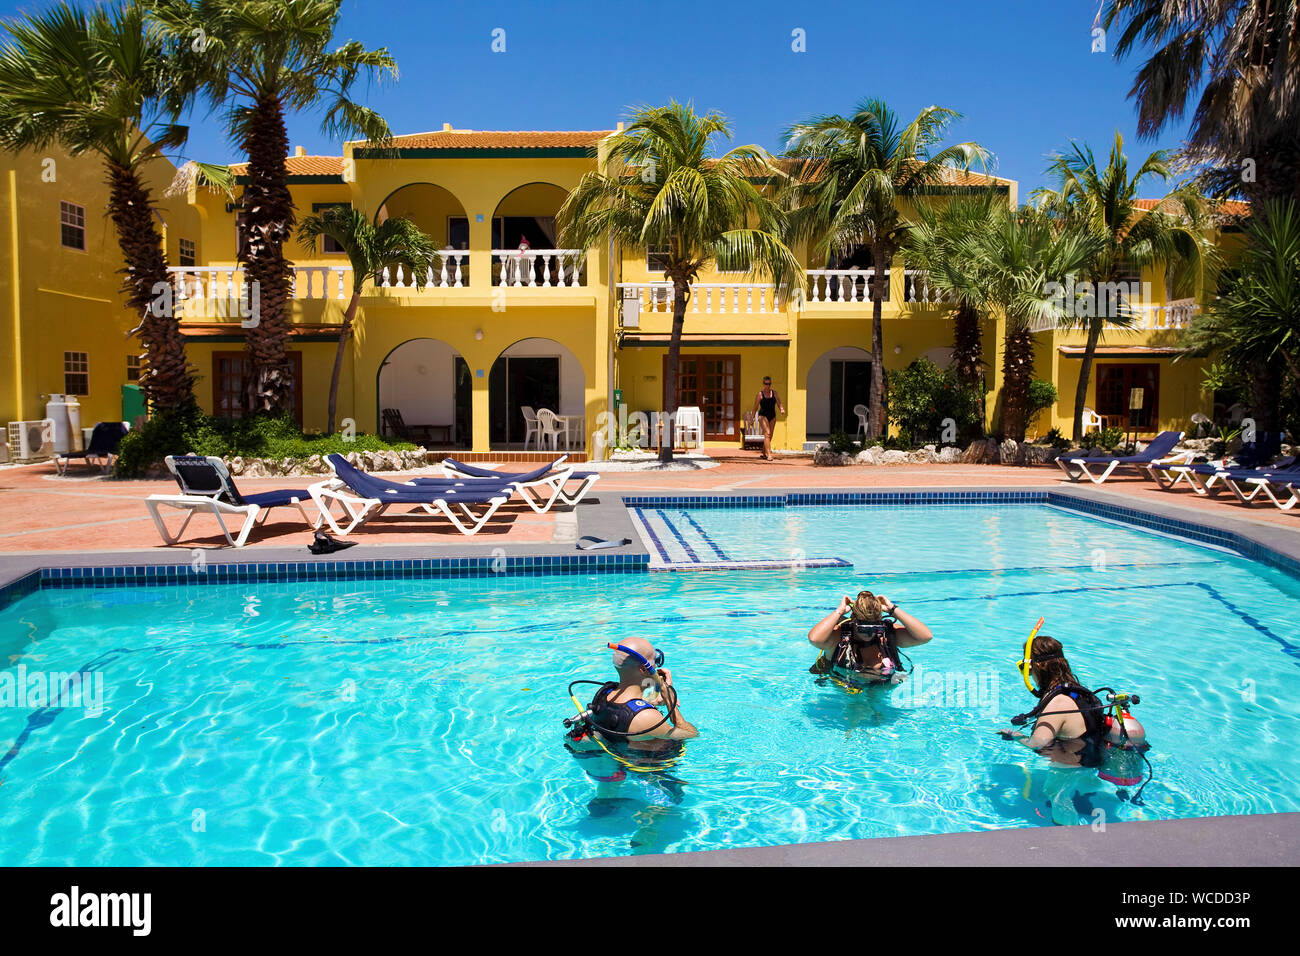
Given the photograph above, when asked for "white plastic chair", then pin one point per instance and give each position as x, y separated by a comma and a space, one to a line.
530, 424
864, 416
549, 430
688, 425
1091, 420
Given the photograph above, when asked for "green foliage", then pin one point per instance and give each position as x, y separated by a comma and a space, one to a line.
1042, 395
1108, 438
1056, 439
188, 430
921, 396
841, 443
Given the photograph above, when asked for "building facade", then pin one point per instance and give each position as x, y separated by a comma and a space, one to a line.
507, 321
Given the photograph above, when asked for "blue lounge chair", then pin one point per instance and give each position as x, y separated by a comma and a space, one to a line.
104, 442
362, 496
539, 489
207, 486
1206, 479
1248, 484
1159, 451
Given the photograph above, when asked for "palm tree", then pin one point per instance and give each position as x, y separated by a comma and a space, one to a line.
1011, 266
1254, 326
260, 60
1239, 61
395, 243
92, 82
932, 245
1103, 202
663, 191
850, 174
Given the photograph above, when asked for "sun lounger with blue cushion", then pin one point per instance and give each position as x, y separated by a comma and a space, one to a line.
1207, 479
104, 442
540, 489
207, 486
362, 495
1248, 484
1159, 451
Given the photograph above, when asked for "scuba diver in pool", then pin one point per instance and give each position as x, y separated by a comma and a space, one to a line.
1072, 725
619, 711
620, 730
863, 650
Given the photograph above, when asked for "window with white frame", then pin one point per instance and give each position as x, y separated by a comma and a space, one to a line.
656, 260
72, 225
76, 373
133, 368
328, 244
188, 253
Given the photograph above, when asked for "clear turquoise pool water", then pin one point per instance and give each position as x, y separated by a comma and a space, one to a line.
420, 722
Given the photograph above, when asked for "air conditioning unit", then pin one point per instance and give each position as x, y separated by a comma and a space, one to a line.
632, 308
31, 441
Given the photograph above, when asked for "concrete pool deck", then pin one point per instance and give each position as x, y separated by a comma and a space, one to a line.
49, 523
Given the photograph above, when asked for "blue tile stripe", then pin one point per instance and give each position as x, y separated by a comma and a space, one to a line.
681, 539
722, 555
416, 568
757, 565
654, 538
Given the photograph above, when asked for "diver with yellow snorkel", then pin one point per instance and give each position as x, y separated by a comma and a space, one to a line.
1071, 724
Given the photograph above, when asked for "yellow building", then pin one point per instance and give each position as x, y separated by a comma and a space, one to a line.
508, 321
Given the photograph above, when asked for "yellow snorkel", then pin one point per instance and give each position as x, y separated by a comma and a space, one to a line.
1025, 665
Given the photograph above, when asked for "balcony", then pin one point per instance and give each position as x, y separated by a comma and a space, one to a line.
539, 268
707, 298
848, 287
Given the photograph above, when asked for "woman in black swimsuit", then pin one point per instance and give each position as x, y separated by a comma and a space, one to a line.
766, 402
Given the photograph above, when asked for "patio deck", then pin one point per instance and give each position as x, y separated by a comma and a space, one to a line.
40, 512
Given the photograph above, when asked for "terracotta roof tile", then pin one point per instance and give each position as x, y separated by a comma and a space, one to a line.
1229, 207
500, 139
303, 166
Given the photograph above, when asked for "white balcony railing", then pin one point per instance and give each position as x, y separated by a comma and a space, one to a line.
1173, 315
226, 283
539, 267
452, 272
711, 298
840, 285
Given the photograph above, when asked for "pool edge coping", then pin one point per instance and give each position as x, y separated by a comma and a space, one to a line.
1240, 840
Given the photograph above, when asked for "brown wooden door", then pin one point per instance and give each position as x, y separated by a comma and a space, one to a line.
1115, 382
710, 382
230, 373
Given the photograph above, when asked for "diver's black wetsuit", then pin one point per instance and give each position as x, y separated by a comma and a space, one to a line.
618, 717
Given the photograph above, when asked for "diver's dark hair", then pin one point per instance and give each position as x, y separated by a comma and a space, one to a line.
1048, 663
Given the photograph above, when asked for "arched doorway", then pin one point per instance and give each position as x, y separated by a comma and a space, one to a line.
439, 215
837, 381
429, 384
534, 373
524, 240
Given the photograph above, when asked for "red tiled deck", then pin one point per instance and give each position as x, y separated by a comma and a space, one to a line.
41, 512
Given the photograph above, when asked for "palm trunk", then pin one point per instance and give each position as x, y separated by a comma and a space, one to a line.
1017, 373
875, 418
268, 223
967, 358
345, 335
681, 294
1085, 375
166, 378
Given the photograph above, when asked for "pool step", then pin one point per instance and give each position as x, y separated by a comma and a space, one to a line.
677, 542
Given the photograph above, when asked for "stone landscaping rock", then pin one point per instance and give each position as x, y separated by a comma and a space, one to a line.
1007, 451
949, 454
825, 457
894, 457
983, 451
1029, 454
869, 455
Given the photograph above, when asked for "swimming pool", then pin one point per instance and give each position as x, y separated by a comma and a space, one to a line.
390, 722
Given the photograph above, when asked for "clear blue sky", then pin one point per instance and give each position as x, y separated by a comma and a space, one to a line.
1021, 71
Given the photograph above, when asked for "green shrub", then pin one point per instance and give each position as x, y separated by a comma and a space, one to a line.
1056, 439
841, 443
1042, 395
186, 430
921, 396
1108, 438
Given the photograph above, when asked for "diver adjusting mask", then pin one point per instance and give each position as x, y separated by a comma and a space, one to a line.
647, 666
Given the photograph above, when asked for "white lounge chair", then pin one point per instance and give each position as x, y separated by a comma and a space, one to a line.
363, 496
540, 489
1160, 451
207, 487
